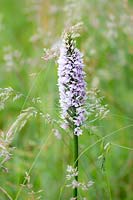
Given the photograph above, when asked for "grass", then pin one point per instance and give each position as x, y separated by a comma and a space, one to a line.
108, 61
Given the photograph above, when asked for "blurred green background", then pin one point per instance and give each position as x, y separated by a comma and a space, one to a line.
28, 26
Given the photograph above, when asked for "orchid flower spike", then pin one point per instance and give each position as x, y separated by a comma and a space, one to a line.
71, 83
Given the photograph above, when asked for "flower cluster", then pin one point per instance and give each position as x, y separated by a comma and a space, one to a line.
71, 174
72, 87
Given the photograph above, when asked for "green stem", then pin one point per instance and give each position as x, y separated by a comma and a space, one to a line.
75, 190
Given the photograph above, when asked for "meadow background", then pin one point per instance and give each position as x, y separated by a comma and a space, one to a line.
26, 28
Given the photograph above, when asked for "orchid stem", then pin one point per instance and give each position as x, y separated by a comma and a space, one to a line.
75, 190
